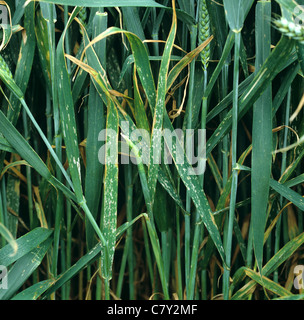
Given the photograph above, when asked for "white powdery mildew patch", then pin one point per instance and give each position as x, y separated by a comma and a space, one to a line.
77, 163
78, 167
111, 212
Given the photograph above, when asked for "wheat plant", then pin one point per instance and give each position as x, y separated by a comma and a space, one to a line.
96, 187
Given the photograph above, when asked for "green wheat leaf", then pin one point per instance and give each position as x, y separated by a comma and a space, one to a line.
106, 3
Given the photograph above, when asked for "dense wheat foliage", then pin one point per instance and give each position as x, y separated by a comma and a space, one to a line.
99, 200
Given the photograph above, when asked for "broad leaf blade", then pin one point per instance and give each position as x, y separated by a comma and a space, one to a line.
236, 12
283, 254
68, 115
96, 120
110, 185
25, 244
23, 268
25, 61
106, 3
267, 283
35, 291
155, 151
261, 135
288, 193
6, 234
